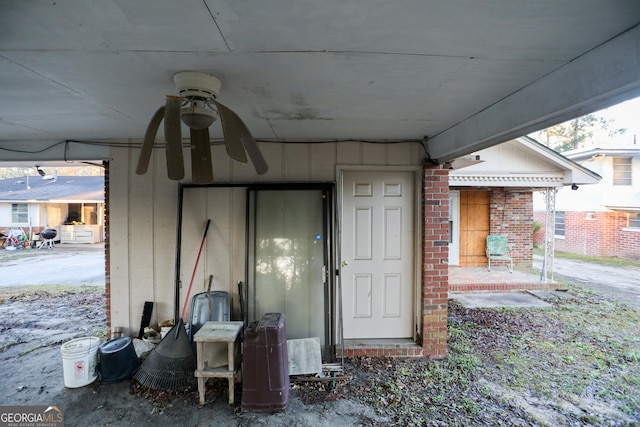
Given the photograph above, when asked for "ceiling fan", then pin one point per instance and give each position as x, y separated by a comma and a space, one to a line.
197, 107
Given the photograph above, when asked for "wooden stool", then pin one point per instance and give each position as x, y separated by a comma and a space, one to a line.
218, 332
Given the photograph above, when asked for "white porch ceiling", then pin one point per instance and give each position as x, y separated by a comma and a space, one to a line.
464, 73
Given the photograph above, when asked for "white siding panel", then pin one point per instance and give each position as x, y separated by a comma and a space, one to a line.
349, 153
194, 219
296, 162
237, 238
374, 154
402, 153
322, 162
274, 155
222, 164
164, 203
141, 235
119, 239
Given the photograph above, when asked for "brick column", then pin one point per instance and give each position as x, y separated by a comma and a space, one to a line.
511, 213
435, 268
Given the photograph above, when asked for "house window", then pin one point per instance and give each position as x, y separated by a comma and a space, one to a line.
622, 171
633, 220
559, 226
19, 213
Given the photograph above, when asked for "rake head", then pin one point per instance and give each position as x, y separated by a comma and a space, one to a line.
171, 365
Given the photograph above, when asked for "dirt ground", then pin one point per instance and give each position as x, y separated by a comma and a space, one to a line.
36, 320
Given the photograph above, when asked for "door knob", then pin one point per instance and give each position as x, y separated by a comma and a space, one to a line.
345, 263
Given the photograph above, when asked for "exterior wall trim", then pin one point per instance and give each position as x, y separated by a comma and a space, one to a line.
505, 181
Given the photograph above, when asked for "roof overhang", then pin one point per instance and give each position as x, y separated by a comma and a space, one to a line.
81, 79
589, 83
559, 171
623, 208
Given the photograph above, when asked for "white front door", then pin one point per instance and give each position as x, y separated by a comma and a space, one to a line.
454, 228
377, 273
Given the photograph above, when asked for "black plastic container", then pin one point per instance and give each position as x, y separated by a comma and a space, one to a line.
118, 360
265, 369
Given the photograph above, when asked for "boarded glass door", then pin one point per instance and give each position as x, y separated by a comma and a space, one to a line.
288, 259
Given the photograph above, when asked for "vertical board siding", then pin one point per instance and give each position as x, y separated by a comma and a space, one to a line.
119, 239
143, 218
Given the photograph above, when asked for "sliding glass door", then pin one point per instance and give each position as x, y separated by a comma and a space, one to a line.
289, 240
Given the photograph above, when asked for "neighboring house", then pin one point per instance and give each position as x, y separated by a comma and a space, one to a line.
604, 219
492, 193
72, 205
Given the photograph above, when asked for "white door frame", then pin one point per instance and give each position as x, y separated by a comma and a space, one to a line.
417, 241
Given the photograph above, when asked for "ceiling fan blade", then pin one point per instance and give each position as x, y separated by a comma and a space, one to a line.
149, 139
173, 137
201, 168
232, 136
259, 163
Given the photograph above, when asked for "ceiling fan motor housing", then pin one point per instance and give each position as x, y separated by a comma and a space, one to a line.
194, 84
200, 90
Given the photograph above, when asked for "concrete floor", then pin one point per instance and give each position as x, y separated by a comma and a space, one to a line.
498, 299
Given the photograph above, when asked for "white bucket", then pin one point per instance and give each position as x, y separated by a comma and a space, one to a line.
80, 361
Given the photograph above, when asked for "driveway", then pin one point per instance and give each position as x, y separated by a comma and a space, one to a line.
65, 264
619, 283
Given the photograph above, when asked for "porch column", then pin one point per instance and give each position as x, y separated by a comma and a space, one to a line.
435, 269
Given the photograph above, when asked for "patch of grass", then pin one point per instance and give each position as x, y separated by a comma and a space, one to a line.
8, 256
613, 261
431, 392
577, 350
575, 362
13, 293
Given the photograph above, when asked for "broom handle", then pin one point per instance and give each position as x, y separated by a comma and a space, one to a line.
195, 267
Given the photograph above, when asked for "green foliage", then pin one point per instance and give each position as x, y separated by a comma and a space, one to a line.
577, 133
536, 226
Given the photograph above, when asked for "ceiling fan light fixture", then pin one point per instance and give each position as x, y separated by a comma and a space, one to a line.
197, 117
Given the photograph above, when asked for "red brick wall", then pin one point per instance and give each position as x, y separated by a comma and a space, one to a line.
435, 271
627, 241
595, 234
511, 213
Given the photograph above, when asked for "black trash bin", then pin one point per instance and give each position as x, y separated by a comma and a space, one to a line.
265, 368
118, 360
